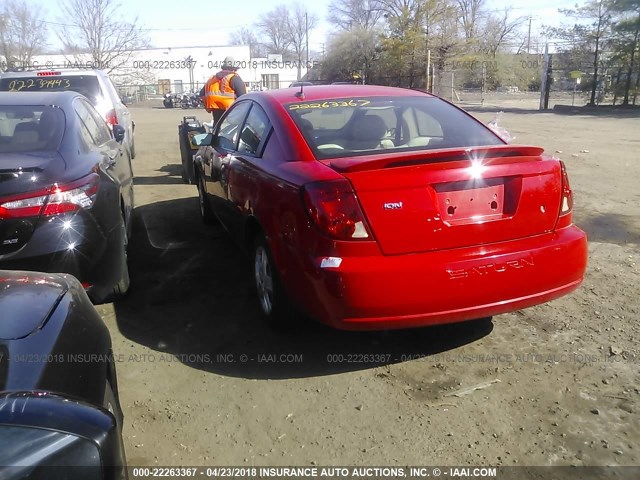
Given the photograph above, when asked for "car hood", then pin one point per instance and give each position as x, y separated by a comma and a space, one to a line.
51, 337
27, 300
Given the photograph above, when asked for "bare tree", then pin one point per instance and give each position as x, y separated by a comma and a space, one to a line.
500, 29
627, 40
352, 53
470, 11
273, 26
404, 16
245, 36
299, 23
95, 28
23, 33
351, 14
592, 35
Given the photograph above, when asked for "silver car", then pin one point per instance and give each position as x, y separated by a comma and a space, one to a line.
92, 83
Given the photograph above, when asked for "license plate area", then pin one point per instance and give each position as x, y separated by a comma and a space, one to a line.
471, 201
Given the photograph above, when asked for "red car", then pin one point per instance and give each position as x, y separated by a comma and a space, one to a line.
371, 207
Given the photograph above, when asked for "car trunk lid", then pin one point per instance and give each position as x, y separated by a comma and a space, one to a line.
433, 200
20, 174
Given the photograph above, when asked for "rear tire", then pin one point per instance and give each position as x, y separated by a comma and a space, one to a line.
208, 218
122, 287
272, 299
185, 157
132, 150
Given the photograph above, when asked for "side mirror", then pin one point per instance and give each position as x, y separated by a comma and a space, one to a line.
118, 133
202, 139
40, 430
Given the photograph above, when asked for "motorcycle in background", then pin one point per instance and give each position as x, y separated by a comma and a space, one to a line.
168, 100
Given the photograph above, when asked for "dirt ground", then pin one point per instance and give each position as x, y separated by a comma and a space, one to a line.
204, 382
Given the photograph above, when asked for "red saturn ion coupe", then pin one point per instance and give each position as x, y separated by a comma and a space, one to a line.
371, 207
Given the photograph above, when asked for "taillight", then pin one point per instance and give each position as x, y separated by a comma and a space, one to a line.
52, 201
566, 200
111, 118
333, 207
567, 194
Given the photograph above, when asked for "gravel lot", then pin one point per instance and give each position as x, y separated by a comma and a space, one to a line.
203, 382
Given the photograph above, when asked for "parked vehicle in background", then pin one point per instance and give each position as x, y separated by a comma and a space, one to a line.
187, 129
376, 207
168, 100
66, 190
92, 83
300, 84
59, 403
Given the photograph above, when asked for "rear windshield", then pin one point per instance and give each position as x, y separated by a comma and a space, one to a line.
365, 125
30, 128
87, 85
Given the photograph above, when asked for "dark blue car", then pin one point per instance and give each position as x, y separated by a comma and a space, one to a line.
60, 413
66, 191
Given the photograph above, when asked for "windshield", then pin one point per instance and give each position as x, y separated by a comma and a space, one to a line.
359, 126
87, 85
30, 128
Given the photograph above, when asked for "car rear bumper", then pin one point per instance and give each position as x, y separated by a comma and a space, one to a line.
387, 292
73, 244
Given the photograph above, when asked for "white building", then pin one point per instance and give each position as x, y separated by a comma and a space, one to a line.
155, 71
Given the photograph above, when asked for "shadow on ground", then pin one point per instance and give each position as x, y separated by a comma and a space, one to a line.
565, 110
191, 300
173, 176
610, 227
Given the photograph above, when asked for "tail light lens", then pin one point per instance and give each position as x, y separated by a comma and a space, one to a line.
567, 194
566, 201
111, 118
334, 209
52, 201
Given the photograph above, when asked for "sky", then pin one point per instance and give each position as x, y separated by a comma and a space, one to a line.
194, 25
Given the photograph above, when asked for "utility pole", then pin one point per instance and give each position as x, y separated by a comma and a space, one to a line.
428, 79
306, 27
529, 37
426, 47
545, 83
484, 82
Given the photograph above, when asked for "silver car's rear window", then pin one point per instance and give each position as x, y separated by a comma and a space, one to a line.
30, 128
87, 85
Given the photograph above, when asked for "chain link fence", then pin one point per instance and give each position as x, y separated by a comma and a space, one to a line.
470, 83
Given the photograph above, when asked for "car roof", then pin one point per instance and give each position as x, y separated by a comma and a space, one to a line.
63, 71
61, 99
323, 92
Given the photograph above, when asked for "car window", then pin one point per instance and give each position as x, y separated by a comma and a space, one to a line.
227, 134
387, 114
92, 122
254, 131
30, 128
343, 127
105, 130
87, 85
427, 125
